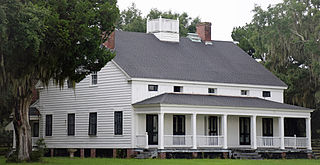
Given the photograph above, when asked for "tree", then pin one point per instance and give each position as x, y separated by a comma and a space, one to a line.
287, 36
131, 19
49, 40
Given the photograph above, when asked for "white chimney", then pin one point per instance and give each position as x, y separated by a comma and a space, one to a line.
164, 29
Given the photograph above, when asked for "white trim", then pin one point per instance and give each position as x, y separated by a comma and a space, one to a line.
208, 83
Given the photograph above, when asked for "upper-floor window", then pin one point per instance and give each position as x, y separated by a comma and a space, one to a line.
244, 92
177, 89
70, 84
92, 123
212, 90
266, 94
152, 87
48, 125
94, 78
71, 124
118, 122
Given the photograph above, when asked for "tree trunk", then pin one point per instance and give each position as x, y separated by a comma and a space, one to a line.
21, 125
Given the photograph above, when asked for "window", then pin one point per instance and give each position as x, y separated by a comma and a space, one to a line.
152, 87
94, 78
71, 124
244, 130
179, 125
35, 129
244, 92
70, 84
267, 126
48, 125
177, 89
212, 90
266, 94
92, 123
118, 122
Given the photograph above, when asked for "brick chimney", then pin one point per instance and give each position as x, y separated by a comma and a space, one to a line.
110, 42
204, 32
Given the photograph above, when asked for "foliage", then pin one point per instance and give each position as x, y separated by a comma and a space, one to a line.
50, 40
286, 37
131, 19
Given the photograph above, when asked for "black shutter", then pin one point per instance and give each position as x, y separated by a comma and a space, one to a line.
92, 124
118, 122
35, 130
48, 125
71, 124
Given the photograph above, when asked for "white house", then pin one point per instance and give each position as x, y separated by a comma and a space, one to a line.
174, 94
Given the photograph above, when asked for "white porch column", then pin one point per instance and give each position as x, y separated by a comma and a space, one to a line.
194, 131
161, 132
225, 133
308, 132
254, 131
281, 131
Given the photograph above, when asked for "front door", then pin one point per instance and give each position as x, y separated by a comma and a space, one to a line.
152, 129
244, 123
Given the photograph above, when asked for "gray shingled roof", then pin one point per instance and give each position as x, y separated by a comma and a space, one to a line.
33, 111
142, 55
216, 100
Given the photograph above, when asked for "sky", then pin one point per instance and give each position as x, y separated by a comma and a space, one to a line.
223, 14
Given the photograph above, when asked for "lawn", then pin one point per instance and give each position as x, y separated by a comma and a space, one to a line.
106, 161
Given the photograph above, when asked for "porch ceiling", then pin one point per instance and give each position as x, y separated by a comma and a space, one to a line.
216, 100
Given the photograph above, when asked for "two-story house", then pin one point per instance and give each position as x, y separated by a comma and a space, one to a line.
173, 94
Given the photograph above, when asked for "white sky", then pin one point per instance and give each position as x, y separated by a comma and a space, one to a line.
223, 14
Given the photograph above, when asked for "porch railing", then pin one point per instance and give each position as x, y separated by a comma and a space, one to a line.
177, 140
296, 142
142, 141
265, 141
209, 141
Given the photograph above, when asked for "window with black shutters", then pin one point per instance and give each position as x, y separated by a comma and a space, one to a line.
48, 125
118, 122
71, 124
266, 94
152, 87
92, 123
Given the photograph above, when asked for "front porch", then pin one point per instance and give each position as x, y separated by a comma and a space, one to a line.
203, 131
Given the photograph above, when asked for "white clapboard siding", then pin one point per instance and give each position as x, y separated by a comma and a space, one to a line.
113, 93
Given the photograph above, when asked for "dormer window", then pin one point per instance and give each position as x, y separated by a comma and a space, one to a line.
94, 78
212, 90
266, 94
244, 92
152, 87
177, 89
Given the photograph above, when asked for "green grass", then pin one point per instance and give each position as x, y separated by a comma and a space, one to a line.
106, 161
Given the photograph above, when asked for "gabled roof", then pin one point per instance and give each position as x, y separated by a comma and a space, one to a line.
216, 100
142, 55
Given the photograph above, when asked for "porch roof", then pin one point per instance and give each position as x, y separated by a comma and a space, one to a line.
216, 100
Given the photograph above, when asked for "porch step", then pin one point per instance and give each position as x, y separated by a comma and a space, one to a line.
246, 155
316, 148
147, 154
